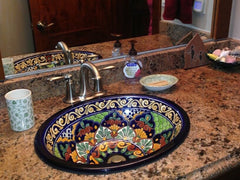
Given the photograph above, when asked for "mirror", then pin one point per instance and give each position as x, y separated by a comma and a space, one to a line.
166, 28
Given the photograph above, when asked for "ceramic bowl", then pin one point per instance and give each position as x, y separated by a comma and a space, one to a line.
158, 82
222, 64
111, 133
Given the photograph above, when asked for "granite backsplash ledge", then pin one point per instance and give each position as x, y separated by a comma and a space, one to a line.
42, 88
154, 62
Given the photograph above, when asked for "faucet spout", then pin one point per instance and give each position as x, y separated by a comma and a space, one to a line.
66, 52
85, 91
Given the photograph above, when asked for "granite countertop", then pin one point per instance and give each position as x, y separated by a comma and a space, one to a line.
211, 98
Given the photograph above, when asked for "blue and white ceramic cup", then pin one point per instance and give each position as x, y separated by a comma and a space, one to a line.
20, 109
8, 66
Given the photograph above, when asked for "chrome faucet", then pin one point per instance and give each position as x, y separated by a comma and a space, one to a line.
66, 52
85, 92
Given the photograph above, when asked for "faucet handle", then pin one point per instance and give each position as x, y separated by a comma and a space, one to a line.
56, 78
107, 68
69, 97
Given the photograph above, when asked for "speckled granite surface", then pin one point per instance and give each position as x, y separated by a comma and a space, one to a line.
211, 98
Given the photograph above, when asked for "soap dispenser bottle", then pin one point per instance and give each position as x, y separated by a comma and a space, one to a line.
133, 66
117, 46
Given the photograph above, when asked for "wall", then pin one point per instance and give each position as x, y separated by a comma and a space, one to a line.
200, 20
15, 28
203, 20
234, 30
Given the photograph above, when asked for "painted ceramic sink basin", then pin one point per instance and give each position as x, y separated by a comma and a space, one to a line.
112, 133
51, 59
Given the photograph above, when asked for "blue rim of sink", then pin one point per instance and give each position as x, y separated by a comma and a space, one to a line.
170, 127
31, 63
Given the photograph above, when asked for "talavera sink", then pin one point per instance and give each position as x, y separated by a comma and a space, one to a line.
112, 133
51, 59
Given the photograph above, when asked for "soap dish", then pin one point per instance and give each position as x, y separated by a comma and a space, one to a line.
158, 82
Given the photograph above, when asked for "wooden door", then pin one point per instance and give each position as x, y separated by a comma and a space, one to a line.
79, 22
75, 22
